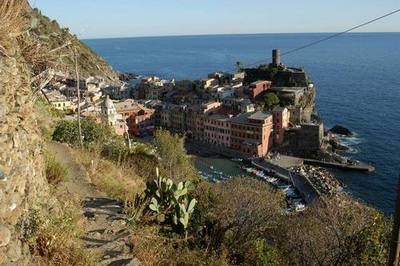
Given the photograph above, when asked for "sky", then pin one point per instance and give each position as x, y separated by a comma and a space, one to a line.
132, 18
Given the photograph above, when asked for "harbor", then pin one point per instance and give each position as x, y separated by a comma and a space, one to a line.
301, 184
217, 170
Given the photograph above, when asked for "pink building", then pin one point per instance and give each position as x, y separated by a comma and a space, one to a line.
281, 122
252, 133
199, 119
217, 130
258, 87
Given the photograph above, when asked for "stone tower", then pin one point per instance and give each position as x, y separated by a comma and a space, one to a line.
276, 57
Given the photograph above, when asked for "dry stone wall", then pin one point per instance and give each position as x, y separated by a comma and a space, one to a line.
23, 186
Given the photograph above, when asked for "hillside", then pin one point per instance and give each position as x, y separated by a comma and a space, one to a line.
59, 46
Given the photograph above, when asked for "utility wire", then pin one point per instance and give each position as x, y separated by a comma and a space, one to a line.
329, 37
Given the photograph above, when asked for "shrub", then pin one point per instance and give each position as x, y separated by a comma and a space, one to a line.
92, 133
271, 100
152, 249
174, 161
335, 232
55, 239
116, 150
246, 210
55, 171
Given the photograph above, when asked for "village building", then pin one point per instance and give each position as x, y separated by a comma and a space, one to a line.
217, 130
59, 101
138, 118
257, 87
178, 118
281, 123
121, 127
305, 139
209, 83
141, 123
295, 114
119, 92
127, 107
252, 133
239, 76
239, 104
154, 88
94, 84
165, 120
225, 92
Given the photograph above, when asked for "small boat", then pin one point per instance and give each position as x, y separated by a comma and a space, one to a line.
282, 186
225, 177
299, 207
212, 167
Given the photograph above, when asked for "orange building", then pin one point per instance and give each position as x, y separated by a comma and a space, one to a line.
251, 133
258, 87
139, 119
142, 122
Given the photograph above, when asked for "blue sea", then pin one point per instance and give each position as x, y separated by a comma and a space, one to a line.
357, 76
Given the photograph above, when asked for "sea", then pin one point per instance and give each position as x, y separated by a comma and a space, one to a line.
357, 76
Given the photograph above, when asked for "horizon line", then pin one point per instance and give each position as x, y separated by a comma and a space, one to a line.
227, 34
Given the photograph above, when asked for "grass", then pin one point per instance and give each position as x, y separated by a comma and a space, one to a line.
55, 171
55, 238
116, 181
11, 23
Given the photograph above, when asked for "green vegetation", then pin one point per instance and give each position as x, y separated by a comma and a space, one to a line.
335, 232
117, 180
271, 100
238, 222
174, 162
171, 202
55, 171
263, 72
92, 132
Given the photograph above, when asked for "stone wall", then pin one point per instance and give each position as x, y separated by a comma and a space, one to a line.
23, 186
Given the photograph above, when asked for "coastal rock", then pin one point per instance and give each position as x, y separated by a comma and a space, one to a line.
125, 76
341, 130
336, 145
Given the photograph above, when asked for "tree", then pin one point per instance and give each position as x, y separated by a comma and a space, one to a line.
271, 100
174, 162
239, 66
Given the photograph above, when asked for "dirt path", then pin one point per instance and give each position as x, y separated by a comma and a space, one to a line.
106, 230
